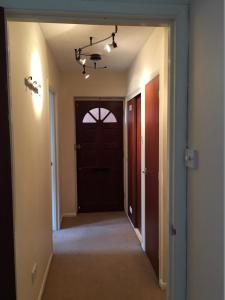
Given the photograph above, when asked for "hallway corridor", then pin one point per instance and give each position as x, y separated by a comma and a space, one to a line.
98, 257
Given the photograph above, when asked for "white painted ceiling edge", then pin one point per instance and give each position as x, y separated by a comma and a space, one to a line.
64, 38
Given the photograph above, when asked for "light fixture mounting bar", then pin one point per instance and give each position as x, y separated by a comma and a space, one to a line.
100, 41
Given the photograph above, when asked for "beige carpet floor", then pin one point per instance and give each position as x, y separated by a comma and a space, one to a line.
97, 256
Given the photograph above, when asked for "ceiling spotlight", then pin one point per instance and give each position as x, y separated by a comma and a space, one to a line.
86, 75
110, 47
83, 61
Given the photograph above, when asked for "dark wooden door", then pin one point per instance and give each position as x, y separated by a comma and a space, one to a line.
152, 170
138, 158
99, 145
7, 268
132, 161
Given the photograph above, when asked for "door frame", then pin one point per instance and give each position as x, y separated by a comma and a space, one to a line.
56, 159
7, 256
176, 17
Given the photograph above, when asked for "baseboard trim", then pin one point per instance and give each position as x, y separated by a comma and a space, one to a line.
136, 230
162, 284
45, 277
67, 215
138, 234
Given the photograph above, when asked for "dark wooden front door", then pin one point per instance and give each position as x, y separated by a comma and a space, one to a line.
99, 145
152, 171
7, 267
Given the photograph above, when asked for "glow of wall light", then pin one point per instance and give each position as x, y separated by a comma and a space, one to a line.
145, 78
36, 73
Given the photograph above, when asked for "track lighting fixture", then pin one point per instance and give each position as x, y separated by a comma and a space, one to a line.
94, 58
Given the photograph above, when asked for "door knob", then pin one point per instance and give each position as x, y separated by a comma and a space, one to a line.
146, 171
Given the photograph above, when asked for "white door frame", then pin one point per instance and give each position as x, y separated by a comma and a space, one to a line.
176, 16
54, 161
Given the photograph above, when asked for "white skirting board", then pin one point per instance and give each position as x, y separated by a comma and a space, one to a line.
45, 277
136, 230
138, 234
67, 215
162, 284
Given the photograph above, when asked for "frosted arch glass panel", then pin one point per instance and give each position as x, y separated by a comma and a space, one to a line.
110, 119
95, 113
104, 112
88, 119
99, 114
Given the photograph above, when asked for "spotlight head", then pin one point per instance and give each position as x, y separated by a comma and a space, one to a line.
108, 48
114, 45
83, 60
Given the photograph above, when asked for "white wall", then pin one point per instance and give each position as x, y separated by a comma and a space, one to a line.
206, 134
29, 55
103, 83
153, 60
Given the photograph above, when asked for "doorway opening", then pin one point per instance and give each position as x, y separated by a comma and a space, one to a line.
64, 174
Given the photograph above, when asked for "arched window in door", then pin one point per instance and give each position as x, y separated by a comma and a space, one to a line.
99, 115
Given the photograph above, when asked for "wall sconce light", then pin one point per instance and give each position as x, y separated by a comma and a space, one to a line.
32, 85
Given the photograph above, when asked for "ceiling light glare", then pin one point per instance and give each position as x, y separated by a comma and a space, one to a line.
87, 76
83, 61
108, 48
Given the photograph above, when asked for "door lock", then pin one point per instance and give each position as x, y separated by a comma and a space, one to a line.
173, 230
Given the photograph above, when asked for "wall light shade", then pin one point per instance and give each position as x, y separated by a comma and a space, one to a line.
36, 73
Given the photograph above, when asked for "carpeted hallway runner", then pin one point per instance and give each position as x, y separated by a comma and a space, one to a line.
97, 256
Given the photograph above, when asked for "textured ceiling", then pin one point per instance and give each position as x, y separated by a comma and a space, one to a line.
64, 38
